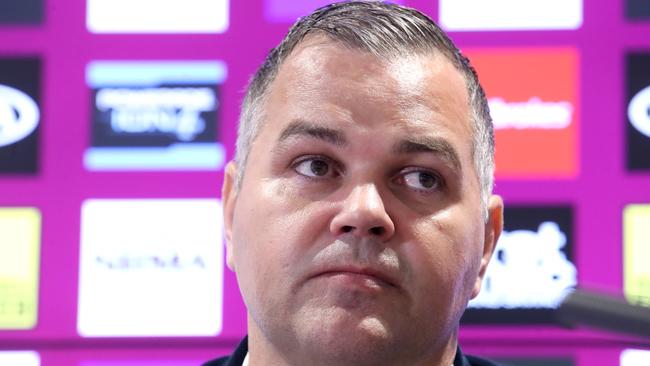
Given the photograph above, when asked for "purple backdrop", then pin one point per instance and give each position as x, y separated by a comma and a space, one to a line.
598, 194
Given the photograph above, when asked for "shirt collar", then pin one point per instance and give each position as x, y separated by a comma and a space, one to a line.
245, 362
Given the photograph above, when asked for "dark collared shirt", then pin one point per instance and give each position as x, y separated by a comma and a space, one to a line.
237, 358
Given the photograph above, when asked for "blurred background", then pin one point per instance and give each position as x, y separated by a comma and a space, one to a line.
116, 119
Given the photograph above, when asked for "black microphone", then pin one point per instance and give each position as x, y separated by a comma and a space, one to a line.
598, 310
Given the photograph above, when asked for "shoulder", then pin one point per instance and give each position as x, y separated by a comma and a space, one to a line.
218, 362
467, 360
235, 359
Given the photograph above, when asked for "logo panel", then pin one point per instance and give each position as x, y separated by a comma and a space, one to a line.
638, 112
533, 97
635, 357
636, 251
21, 11
531, 270
637, 9
20, 241
155, 16
150, 268
509, 15
288, 11
19, 358
20, 116
155, 115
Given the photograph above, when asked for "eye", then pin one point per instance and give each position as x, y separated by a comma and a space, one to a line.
422, 180
314, 167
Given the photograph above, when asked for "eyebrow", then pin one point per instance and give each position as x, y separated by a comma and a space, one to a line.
434, 145
423, 144
303, 128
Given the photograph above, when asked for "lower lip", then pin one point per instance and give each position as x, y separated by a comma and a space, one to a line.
356, 279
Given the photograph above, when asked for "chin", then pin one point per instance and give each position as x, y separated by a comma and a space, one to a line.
343, 337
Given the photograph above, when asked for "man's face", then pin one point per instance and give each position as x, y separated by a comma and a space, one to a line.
358, 230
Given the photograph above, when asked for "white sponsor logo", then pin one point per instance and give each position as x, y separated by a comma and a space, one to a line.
534, 113
639, 111
173, 261
150, 268
497, 15
19, 358
19, 115
529, 270
635, 357
156, 16
168, 110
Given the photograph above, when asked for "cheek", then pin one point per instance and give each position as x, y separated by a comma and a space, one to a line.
432, 258
273, 231
445, 256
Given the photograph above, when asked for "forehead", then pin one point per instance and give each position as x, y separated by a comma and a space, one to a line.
322, 78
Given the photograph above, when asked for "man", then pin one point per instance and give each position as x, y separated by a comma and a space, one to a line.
358, 210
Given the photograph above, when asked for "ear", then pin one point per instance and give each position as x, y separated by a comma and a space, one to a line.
229, 197
493, 228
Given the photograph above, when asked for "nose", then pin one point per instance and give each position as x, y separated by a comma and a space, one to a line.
363, 214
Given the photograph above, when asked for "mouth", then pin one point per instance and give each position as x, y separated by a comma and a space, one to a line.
366, 277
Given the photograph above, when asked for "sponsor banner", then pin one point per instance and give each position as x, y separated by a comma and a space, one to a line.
510, 15
637, 9
155, 16
21, 11
20, 116
638, 111
20, 241
533, 97
150, 268
288, 11
531, 270
19, 358
636, 251
155, 115
635, 357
